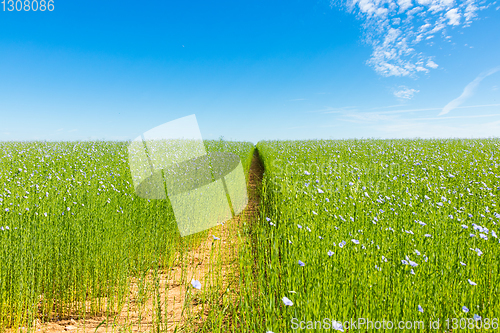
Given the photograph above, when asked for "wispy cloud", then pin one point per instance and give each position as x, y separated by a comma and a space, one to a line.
368, 114
468, 91
394, 29
329, 109
412, 129
405, 92
457, 117
386, 107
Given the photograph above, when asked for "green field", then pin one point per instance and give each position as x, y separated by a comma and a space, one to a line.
73, 230
385, 230
394, 230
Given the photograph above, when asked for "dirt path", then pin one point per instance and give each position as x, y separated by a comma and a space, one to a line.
170, 295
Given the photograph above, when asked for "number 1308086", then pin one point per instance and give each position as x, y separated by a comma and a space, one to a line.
27, 5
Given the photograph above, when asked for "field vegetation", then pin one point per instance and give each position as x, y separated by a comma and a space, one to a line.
73, 234
394, 230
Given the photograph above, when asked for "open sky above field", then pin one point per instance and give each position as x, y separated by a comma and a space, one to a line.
251, 70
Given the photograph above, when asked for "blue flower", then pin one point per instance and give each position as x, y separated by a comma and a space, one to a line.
286, 301
420, 309
428, 235
472, 283
477, 317
342, 244
215, 238
330, 253
268, 219
417, 252
307, 173
298, 225
337, 325
404, 262
465, 309
320, 190
355, 241
301, 263
463, 264
196, 284
464, 226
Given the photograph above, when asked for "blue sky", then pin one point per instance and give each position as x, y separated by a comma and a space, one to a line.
252, 71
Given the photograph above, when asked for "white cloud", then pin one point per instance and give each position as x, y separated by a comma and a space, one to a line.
468, 91
432, 64
453, 16
405, 92
395, 28
404, 5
